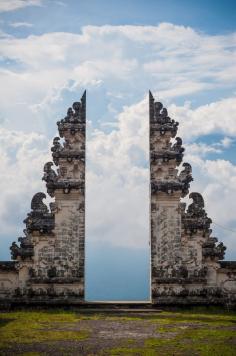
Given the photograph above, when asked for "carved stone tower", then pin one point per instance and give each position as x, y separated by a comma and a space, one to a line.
49, 262
68, 188
186, 266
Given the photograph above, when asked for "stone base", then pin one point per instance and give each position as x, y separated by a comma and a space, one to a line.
194, 301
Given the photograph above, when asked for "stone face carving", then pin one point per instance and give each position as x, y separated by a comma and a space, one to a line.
56, 149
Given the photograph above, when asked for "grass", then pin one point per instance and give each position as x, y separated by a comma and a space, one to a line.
36, 327
200, 332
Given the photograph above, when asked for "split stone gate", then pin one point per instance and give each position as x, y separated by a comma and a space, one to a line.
187, 264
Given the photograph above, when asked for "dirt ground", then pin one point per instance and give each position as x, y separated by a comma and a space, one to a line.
59, 333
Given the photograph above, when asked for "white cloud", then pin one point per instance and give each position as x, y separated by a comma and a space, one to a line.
60, 3
21, 24
118, 178
119, 63
22, 159
175, 60
202, 149
216, 181
11, 5
118, 182
226, 142
216, 117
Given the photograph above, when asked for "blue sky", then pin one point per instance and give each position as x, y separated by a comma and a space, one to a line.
184, 51
209, 16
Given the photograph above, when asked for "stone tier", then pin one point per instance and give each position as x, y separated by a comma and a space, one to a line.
66, 186
166, 156
8, 266
71, 127
69, 155
170, 187
25, 251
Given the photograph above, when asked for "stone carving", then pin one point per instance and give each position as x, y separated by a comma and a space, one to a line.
25, 250
185, 177
197, 206
213, 251
50, 175
159, 118
177, 146
54, 182
37, 203
174, 183
160, 114
8, 266
75, 119
186, 266
174, 152
56, 149
185, 259
66, 152
170, 187
196, 219
39, 219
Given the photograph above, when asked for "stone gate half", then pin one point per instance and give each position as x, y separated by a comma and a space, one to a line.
187, 264
49, 259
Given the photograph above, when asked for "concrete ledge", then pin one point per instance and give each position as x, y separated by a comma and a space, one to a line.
228, 264
8, 265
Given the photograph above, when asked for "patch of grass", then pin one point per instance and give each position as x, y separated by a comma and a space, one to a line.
36, 327
131, 352
197, 332
201, 344
31, 354
123, 318
187, 333
196, 318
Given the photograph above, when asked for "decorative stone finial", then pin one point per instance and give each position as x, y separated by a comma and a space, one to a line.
39, 219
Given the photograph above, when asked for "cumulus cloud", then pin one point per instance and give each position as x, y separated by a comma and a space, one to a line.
174, 60
117, 180
22, 158
216, 180
226, 142
216, 117
202, 149
118, 64
11, 5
